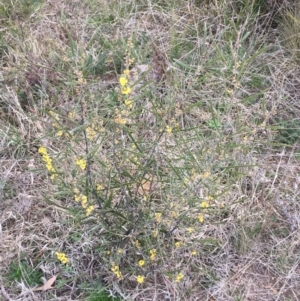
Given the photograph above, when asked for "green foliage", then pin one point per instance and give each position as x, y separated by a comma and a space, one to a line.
17, 10
22, 271
136, 168
254, 6
95, 65
288, 131
290, 31
101, 295
214, 124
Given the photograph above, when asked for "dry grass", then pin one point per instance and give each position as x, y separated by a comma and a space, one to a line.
213, 89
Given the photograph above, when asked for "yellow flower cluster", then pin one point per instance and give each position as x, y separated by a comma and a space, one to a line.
179, 277
191, 230
128, 59
126, 90
125, 87
140, 279
155, 233
128, 103
201, 218
81, 163
204, 204
89, 210
137, 244
99, 188
126, 72
120, 120
80, 78
62, 257
48, 161
152, 254
121, 116
141, 262
209, 198
59, 133
91, 133
84, 202
205, 175
158, 217
168, 129
123, 81
80, 198
115, 269
71, 115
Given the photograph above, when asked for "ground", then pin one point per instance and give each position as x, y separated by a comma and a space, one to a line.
149, 150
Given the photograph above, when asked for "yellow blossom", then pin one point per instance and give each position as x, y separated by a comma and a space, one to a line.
77, 198
123, 81
81, 81
204, 204
48, 161
128, 103
140, 279
81, 163
90, 133
42, 150
120, 120
126, 90
62, 257
141, 262
230, 91
201, 218
59, 133
137, 244
205, 175
174, 214
126, 72
168, 129
155, 233
83, 199
71, 115
179, 277
177, 244
194, 252
158, 217
89, 210
191, 230
115, 269
136, 160
152, 254
120, 251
